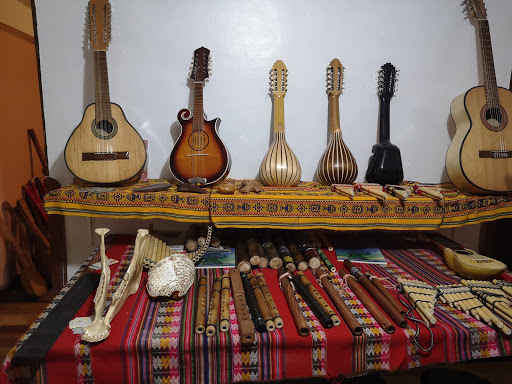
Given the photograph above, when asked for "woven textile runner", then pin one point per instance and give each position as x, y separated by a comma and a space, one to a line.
308, 205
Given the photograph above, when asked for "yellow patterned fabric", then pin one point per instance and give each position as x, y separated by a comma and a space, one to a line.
308, 205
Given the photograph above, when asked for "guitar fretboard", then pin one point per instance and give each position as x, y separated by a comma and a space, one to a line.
491, 88
198, 114
102, 93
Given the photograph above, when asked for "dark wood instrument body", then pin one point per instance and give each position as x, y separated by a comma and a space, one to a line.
466, 169
199, 152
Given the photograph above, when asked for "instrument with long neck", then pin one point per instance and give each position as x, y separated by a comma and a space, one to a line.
385, 164
479, 158
280, 166
199, 155
337, 164
104, 148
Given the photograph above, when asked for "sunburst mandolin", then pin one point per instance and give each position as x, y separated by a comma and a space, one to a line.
280, 166
479, 158
337, 164
104, 148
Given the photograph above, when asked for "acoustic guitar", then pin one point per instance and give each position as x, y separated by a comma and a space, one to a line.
337, 164
479, 158
385, 165
280, 166
199, 155
104, 148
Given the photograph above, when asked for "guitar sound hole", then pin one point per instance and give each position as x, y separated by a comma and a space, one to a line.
198, 140
494, 118
104, 129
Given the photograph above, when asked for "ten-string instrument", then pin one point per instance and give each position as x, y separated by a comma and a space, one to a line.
104, 148
280, 166
337, 164
199, 155
479, 158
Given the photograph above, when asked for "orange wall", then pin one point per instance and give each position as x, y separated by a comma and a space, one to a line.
20, 110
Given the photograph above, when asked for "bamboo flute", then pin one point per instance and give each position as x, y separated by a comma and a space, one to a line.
191, 238
295, 252
262, 304
213, 310
245, 324
315, 241
338, 302
224, 304
252, 303
375, 311
306, 249
284, 252
274, 261
278, 321
242, 256
263, 256
381, 300
252, 247
326, 261
375, 281
201, 306
298, 317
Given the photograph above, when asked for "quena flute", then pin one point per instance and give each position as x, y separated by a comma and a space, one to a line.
242, 256
262, 304
284, 252
274, 261
245, 324
338, 302
201, 306
213, 310
278, 321
375, 311
252, 303
325, 260
325, 241
224, 304
252, 247
394, 314
307, 250
298, 317
295, 252
375, 281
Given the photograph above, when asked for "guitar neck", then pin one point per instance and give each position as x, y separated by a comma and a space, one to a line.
278, 114
102, 93
334, 113
384, 120
198, 116
491, 89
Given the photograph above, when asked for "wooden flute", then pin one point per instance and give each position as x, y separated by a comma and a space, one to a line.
224, 304
262, 303
325, 260
278, 321
298, 317
319, 299
374, 292
375, 311
295, 252
252, 303
254, 251
274, 261
307, 250
242, 256
201, 306
213, 310
338, 302
245, 324
284, 252
375, 281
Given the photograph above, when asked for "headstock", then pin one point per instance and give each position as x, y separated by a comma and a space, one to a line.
201, 61
476, 8
387, 81
335, 79
278, 79
99, 23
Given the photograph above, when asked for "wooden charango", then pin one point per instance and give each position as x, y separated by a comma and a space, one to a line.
337, 164
280, 166
479, 158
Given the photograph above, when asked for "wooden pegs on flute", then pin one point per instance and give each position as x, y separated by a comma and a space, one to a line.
201, 306
296, 254
262, 304
284, 252
252, 304
213, 310
245, 324
242, 256
278, 321
224, 304
297, 315
338, 302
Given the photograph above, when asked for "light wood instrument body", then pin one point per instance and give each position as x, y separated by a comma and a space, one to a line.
465, 168
280, 166
84, 140
337, 164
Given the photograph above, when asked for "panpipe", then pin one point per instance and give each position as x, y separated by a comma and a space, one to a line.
506, 286
375, 281
297, 315
460, 297
252, 303
347, 190
296, 254
224, 303
242, 256
373, 308
399, 191
325, 260
274, 260
376, 294
432, 191
200, 323
276, 317
374, 190
262, 303
312, 301
284, 252
339, 303
422, 297
156, 251
213, 310
492, 296
307, 250
245, 324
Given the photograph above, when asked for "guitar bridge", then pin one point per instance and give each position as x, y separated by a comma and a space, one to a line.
495, 154
105, 156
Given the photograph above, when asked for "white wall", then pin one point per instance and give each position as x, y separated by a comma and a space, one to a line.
430, 42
